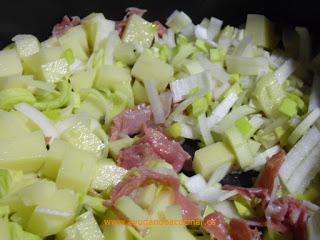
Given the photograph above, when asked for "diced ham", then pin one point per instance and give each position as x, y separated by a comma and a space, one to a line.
162, 30
126, 187
130, 121
134, 10
268, 175
66, 23
240, 230
120, 26
216, 225
289, 216
154, 144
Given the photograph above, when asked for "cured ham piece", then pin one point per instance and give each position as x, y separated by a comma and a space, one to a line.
269, 173
154, 144
130, 121
190, 210
66, 23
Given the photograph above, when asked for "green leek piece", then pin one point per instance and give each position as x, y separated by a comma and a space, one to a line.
239, 144
125, 53
26, 45
175, 130
107, 174
149, 68
267, 139
235, 88
208, 159
165, 52
254, 146
4, 211
261, 30
116, 146
139, 93
5, 182
182, 40
300, 103
202, 45
303, 127
10, 63
139, 31
182, 53
77, 170
246, 65
208, 210
114, 78
242, 209
217, 54
11, 96
18, 233
52, 114
245, 127
273, 235
31, 155
75, 39
288, 107
268, 93
94, 203
235, 77
68, 54
198, 107
58, 102
227, 33
193, 67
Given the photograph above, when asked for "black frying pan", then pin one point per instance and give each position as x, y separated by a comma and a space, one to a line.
38, 17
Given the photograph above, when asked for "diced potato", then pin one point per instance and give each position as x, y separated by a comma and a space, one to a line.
55, 214
81, 137
32, 152
55, 71
139, 31
82, 79
77, 171
107, 174
150, 68
132, 211
11, 125
10, 63
208, 159
76, 39
32, 64
98, 29
26, 45
55, 157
